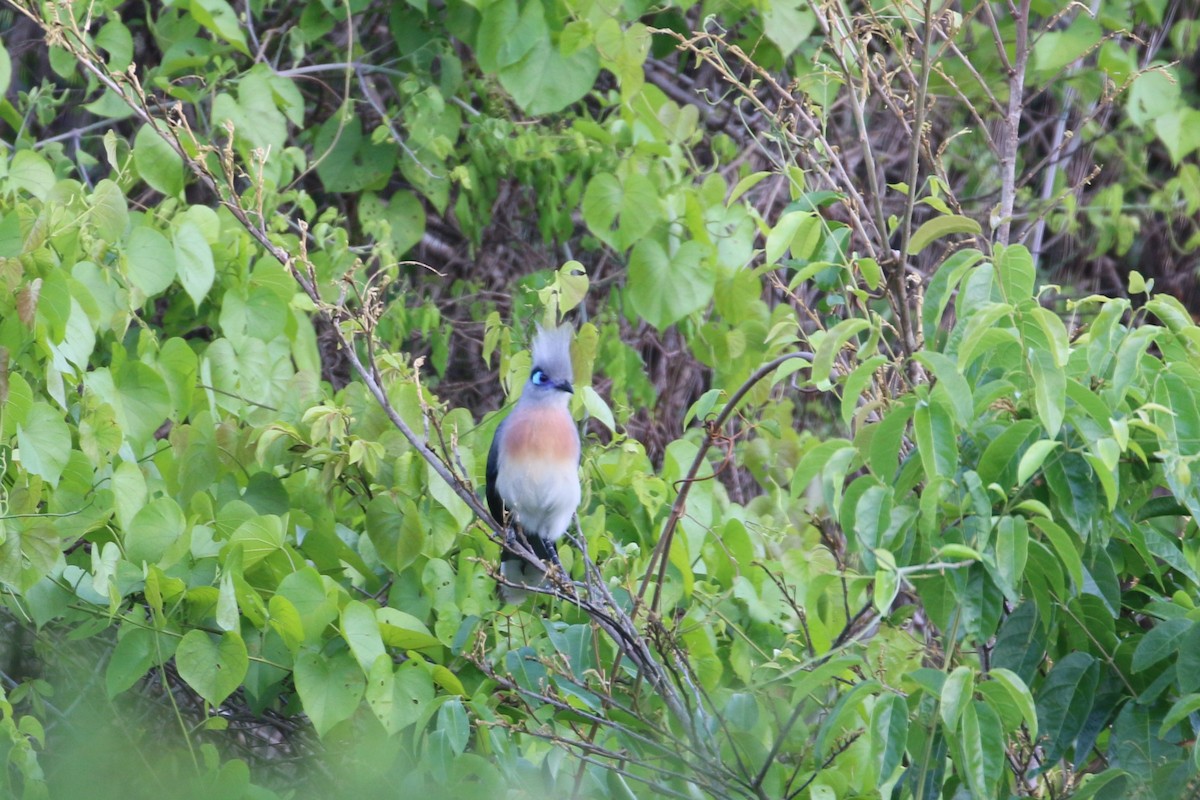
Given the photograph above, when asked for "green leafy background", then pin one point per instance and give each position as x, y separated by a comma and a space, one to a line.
949, 552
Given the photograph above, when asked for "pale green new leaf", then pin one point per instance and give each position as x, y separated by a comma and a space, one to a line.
44, 442
1020, 694
831, 344
956, 696
157, 162
151, 260
940, 227
664, 289
889, 734
194, 261
330, 688
214, 668
361, 632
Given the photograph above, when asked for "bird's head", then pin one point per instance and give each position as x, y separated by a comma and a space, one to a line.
551, 375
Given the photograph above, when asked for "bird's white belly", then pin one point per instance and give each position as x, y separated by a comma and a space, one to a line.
543, 497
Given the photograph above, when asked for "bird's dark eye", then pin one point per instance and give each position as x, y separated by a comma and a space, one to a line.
539, 377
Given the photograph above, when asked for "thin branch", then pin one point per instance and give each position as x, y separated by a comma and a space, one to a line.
1010, 136
658, 559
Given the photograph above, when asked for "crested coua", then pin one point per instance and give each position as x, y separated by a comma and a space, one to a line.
533, 466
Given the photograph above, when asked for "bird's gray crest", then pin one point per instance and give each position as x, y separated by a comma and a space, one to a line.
552, 352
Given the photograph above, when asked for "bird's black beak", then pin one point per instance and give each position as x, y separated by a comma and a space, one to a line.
564, 386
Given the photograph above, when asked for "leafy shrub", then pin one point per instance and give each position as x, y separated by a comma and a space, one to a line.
970, 572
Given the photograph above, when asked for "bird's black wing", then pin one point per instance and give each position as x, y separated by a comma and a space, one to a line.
494, 501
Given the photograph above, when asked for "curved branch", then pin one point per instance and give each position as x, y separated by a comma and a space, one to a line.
658, 560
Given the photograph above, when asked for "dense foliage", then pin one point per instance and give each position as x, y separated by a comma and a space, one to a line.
871, 508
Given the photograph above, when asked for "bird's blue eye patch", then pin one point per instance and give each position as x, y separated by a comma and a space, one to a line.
539, 377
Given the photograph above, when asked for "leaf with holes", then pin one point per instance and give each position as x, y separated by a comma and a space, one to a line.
214, 667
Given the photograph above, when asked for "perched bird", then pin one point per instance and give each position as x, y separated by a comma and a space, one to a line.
533, 466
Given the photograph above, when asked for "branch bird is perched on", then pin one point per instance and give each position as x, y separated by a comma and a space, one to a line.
533, 466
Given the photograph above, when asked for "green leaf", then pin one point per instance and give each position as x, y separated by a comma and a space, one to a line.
998, 462
1073, 485
1033, 459
129, 491
285, 620
1020, 643
330, 688
979, 325
887, 586
194, 260
115, 39
132, 658
1049, 391
1056, 49
1179, 130
352, 162
157, 162
746, 184
1019, 692
1133, 745
398, 696
31, 173
1064, 547
664, 289
936, 440
1055, 331
1162, 641
1064, 702
633, 205
856, 382
1129, 361
507, 33
221, 20
5, 71
152, 530
847, 707
1014, 272
109, 210
956, 695
545, 81
814, 462
889, 734
940, 227
1092, 785
44, 441
452, 721
787, 23
399, 220
1012, 551
889, 436
794, 228
214, 668
395, 528
597, 408
1187, 668
306, 592
958, 392
150, 259
871, 273
227, 613
145, 400
12, 242
259, 536
361, 632
404, 631
1183, 708
831, 344
982, 742
942, 286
